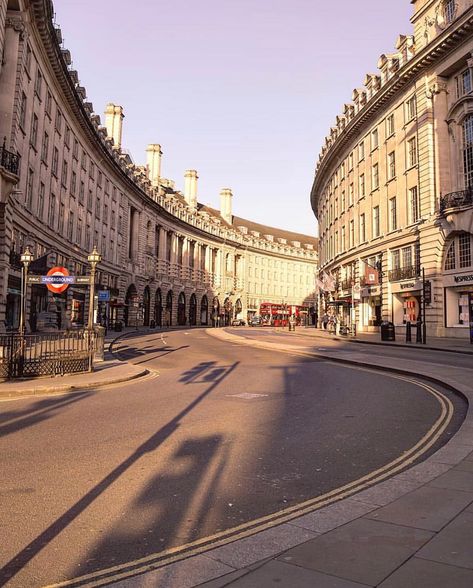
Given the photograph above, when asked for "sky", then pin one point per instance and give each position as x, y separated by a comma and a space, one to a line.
243, 91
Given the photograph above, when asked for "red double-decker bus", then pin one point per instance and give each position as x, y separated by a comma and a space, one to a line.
278, 315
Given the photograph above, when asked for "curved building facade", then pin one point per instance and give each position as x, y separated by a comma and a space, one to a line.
67, 185
393, 189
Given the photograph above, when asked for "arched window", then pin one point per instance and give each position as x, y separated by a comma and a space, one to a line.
181, 309
450, 257
204, 310
193, 310
468, 150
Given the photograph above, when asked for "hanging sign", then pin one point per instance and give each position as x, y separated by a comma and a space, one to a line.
57, 280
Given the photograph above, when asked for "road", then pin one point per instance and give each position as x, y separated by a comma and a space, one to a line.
218, 436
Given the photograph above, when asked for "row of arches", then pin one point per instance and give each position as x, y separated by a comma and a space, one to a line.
168, 311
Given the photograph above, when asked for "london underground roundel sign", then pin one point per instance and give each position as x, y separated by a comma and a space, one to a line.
58, 281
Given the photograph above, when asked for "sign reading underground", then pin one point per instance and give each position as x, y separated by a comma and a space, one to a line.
57, 280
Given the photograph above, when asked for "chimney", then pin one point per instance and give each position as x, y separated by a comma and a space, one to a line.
190, 188
226, 204
113, 121
153, 163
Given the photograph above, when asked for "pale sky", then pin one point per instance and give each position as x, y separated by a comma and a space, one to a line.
243, 91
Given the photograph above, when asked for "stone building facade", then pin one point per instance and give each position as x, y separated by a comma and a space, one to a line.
393, 189
67, 185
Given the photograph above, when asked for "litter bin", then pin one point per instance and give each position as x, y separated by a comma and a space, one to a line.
118, 327
152, 325
388, 332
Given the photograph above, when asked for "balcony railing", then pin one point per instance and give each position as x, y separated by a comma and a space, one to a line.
347, 284
403, 273
456, 199
10, 161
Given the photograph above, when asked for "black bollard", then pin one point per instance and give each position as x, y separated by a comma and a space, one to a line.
408, 332
419, 331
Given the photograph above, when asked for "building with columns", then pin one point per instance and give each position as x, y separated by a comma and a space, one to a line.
67, 185
393, 187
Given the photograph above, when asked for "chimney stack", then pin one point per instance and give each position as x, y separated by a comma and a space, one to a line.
226, 204
190, 188
113, 121
153, 163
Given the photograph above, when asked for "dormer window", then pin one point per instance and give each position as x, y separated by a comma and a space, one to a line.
449, 9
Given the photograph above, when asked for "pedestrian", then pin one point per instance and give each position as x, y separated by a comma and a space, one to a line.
325, 320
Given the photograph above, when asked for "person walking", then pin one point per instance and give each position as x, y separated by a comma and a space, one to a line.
325, 320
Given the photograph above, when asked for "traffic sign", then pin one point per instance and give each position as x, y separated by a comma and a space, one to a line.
104, 295
57, 280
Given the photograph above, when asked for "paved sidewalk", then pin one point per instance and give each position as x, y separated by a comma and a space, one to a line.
437, 343
412, 530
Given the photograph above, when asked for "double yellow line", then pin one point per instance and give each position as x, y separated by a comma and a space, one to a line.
175, 554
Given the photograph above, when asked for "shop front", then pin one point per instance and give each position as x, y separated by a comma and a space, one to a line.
458, 289
371, 308
406, 302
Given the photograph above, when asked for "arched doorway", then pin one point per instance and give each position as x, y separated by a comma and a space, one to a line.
238, 309
158, 308
181, 309
215, 312
193, 311
169, 309
204, 310
228, 312
146, 306
130, 313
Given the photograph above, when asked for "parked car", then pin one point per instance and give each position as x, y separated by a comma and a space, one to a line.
238, 323
256, 321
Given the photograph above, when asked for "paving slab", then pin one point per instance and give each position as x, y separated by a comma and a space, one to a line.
385, 492
455, 480
427, 508
424, 472
278, 574
363, 551
418, 573
264, 544
453, 545
183, 574
464, 466
333, 516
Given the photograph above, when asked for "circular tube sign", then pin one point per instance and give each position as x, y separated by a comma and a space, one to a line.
56, 280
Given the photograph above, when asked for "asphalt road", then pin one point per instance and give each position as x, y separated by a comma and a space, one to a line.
221, 435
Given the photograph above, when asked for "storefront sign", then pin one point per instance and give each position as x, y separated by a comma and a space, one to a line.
371, 291
470, 305
461, 279
407, 286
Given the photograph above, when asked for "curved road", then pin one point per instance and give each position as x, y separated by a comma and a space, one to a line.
219, 435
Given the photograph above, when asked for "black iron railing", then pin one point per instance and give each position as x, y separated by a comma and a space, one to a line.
456, 199
403, 273
48, 354
10, 161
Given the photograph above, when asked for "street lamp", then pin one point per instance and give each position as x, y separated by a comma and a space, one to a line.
93, 258
26, 258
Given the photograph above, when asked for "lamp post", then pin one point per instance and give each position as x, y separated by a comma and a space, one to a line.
93, 258
26, 258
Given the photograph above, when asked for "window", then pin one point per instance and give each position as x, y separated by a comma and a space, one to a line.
28, 58
29, 189
412, 152
73, 183
410, 108
376, 221
392, 214
414, 205
342, 202
45, 147
391, 165
464, 83
351, 192
64, 173
79, 231
34, 131
41, 201
407, 257
49, 103
97, 208
342, 171
343, 239
55, 162
67, 137
449, 10
38, 84
52, 211
81, 192
22, 110
352, 234
84, 160
89, 200
75, 149
60, 227
70, 226
362, 228
375, 177
374, 139
350, 161
58, 122
450, 262
468, 150
361, 151
87, 237
464, 242
92, 170
396, 259
390, 125
362, 186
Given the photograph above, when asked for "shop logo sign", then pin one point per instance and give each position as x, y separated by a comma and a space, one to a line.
459, 279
